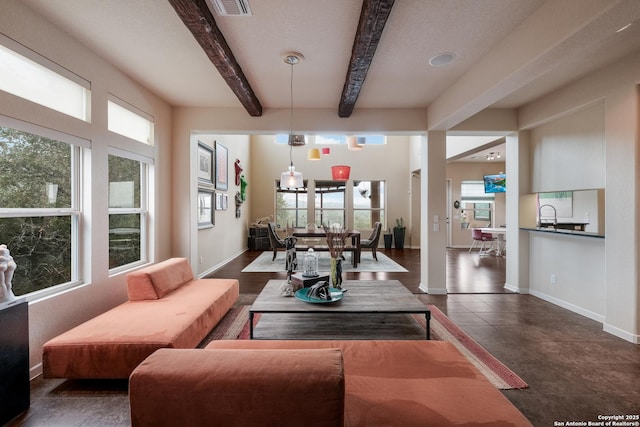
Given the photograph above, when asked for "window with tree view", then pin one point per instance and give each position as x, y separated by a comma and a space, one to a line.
330, 203
39, 212
291, 206
127, 211
368, 204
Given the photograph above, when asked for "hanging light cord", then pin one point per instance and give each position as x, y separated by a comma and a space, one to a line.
291, 101
291, 118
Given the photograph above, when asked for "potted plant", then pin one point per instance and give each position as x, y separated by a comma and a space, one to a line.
388, 237
398, 233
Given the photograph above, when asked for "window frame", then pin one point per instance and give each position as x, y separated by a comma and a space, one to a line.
297, 209
78, 148
382, 210
319, 210
37, 63
146, 165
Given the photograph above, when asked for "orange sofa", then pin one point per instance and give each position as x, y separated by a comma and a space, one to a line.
167, 308
387, 383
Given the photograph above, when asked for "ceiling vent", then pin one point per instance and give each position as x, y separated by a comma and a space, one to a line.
230, 7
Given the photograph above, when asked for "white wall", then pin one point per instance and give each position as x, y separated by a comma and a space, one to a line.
54, 315
610, 97
569, 153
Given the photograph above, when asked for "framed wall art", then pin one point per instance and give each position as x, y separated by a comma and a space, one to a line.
219, 199
205, 164
222, 173
205, 209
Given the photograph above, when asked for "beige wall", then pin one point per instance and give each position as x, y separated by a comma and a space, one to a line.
388, 162
228, 237
53, 315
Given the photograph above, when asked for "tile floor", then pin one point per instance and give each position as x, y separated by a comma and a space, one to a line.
575, 371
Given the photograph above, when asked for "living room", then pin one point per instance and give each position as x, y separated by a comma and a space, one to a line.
596, 280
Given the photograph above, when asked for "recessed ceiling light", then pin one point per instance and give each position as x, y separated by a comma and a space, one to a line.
442, 59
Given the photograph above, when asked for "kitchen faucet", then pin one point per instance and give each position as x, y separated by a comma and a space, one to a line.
555, 215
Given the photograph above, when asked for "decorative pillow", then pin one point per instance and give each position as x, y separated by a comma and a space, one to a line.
169, 275
155, 281
139, 286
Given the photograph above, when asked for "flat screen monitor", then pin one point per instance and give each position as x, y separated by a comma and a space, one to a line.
495, 183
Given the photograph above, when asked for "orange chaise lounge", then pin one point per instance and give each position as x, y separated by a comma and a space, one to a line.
167, 308
302, 383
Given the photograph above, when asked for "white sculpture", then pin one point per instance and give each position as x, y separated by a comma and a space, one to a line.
7, 267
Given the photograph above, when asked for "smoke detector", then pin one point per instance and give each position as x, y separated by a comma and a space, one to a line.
230, 7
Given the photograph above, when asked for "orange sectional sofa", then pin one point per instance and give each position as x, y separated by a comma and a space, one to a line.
386, 383
167, 308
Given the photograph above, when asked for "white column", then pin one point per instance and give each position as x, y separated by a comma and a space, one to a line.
433, 230
518, 185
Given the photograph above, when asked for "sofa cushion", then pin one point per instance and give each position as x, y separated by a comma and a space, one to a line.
239, 388
407, 383
157, 280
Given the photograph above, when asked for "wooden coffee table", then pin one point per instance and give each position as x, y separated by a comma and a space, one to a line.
368, 307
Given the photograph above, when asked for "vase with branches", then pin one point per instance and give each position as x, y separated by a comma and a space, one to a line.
336, 240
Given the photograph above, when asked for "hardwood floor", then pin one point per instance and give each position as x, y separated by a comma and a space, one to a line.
575, 371
466, 272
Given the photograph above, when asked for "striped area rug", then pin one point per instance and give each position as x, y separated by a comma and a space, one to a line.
235, 325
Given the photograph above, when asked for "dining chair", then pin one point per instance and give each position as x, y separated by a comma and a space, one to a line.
275, 240
480, 239
372, 241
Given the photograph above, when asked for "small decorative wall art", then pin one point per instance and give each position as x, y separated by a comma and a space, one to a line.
219, 201
222, 172
205, 209
205, 164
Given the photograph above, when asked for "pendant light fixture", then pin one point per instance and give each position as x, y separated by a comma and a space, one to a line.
290, 178
340, 172
313, 154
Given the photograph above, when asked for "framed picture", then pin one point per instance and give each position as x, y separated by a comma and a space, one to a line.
222, 173
205, 209
205, 164
219, 201
225, 202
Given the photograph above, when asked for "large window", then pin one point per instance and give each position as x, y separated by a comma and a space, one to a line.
28, 75
39, 205
291, 206
127, 210
368, 204
330, 203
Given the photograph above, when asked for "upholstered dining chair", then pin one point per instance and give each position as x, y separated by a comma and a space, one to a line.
276, 242
372, 241
480, 239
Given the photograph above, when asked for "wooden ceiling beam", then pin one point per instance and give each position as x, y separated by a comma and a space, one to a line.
198, 19
373, 18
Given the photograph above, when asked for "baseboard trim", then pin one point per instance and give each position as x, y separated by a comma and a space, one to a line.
516, 289
620, 333
432, 291
571, 307
221, 264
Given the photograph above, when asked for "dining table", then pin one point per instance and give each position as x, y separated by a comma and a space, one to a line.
318, 234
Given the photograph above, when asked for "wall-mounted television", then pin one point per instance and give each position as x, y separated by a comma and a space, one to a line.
495, 183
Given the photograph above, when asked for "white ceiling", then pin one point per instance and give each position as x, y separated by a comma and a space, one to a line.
147, 40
